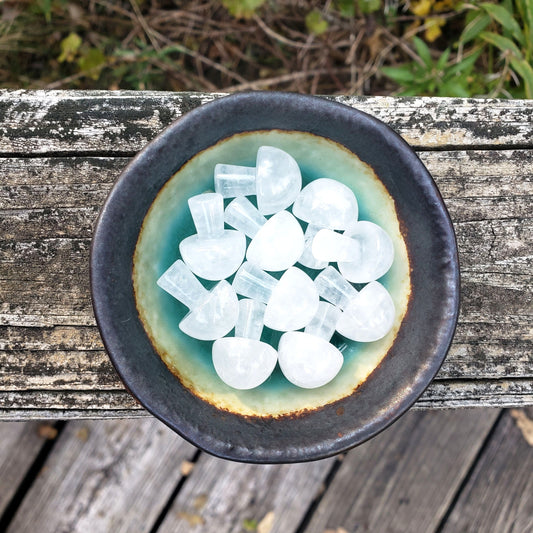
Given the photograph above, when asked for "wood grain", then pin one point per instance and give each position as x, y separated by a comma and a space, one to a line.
104, 476
405, 479
232, 495
21, 442
85, 122
498, 497
51, 356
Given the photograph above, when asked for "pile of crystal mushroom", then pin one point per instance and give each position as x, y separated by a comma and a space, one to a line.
235, 239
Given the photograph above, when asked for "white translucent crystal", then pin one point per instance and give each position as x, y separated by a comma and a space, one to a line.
376, 256
213, 314
369, 316
234, 180
334, 288
276, 180
308, 361
307, 258
279, 180
277, 243
213, 253
214, 259
291, 302
242, 215
330, 246
244, 362
326, 203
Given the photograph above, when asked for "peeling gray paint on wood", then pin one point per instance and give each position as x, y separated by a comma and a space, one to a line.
52, 361
124, 121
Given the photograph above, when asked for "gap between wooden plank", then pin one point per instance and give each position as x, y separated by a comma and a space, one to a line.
29, 478
173, 496
468, 475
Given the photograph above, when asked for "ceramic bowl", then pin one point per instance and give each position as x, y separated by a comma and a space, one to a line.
146, 216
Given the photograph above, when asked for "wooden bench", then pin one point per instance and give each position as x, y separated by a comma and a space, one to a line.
60, 153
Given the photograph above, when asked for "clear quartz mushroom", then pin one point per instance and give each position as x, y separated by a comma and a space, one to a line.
276, 180
277, 243
291, 302
376, 253
307, 359
213, 253
307, 258
330, 246
213, 314
367, 315
326, 203
244, 362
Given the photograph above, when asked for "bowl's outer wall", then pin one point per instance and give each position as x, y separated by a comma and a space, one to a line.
422, 342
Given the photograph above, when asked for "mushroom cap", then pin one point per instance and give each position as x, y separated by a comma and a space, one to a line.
279, 243
215, 316
214, 258
377, 253
326, 203
369, 316
293, 303
243, 363
278, 180
308, 361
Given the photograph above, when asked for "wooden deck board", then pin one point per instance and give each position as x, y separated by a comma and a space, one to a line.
54, 183
498, 497
20, 443
233, 495
102, 477
404, 479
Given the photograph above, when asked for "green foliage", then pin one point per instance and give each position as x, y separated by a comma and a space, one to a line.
69, 48
507, 27
368, 6
430, 77
249, 524
315, 23
242, 8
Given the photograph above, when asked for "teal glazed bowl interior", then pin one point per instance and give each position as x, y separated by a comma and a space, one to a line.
146, 216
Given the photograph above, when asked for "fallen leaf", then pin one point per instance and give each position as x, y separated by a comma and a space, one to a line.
83, 434
524, 424
46, 431
249, 524
266, 524
186, 468
193, 519
199, 501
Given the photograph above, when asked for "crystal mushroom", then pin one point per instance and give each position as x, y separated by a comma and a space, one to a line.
326, 203
213, 253
213, 314
307, 359
367, 315
307, 258
276, 180
277, 243
291, 302
376, 253
244, 362
331, 246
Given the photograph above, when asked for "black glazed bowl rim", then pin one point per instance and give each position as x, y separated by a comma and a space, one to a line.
421, 343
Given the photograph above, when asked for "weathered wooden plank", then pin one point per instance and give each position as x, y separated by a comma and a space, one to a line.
69, 403
21, 442
498, 497
49, 205
104, 476
37, 122
404, 479
224, 497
